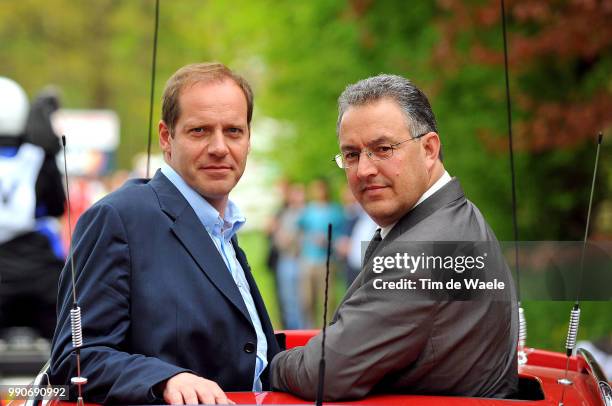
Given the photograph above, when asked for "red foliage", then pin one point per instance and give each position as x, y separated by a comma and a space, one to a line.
558, 125
572, 31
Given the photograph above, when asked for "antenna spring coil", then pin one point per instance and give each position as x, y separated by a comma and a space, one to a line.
77, 331
572, 332
522, 328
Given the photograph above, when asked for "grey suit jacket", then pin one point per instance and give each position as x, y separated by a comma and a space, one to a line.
413, 341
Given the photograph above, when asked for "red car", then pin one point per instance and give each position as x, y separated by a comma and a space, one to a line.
539, 384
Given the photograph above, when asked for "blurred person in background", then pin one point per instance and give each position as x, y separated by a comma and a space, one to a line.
361, 233
272, 254
313, 222
288, 275
351, 213
31, 188
359, 228
39, 131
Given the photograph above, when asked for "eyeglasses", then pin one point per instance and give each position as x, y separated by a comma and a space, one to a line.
378, 153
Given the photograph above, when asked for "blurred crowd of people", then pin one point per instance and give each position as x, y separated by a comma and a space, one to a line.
298, 244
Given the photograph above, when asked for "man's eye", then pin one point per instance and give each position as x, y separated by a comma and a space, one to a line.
235, 131
197, 130
383, 149
351, 156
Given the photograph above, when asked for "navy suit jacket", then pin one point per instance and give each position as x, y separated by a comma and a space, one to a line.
156, 298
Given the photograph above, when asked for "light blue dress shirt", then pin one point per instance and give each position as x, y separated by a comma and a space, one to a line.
221, 231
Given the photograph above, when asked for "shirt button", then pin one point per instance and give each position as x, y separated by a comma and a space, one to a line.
249, 347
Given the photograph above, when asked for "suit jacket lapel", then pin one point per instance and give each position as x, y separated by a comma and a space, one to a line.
193, 236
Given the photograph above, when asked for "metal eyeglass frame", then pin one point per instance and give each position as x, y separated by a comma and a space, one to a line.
340, 161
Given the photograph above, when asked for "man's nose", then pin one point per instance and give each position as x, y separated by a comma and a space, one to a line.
218, 144
365, 166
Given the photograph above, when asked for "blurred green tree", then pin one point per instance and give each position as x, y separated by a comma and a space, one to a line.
560, 59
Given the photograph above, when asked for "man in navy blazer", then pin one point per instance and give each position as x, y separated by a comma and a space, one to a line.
170, 310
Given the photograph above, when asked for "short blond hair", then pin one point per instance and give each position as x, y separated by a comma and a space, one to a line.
194, 73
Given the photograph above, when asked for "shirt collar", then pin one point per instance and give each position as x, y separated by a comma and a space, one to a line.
444, 179
225, 227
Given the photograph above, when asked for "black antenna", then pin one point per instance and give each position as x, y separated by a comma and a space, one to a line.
153, 65
588, 221
74, 300
75, 312
321, 386
574, 323
522, 355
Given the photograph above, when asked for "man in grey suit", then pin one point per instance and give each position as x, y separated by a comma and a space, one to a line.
392, 331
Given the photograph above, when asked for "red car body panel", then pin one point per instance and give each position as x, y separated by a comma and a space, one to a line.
543, 367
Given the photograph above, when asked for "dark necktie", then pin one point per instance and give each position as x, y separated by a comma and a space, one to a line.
372, 246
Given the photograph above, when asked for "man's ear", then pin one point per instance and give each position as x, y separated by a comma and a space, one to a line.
164, 137
431, 145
